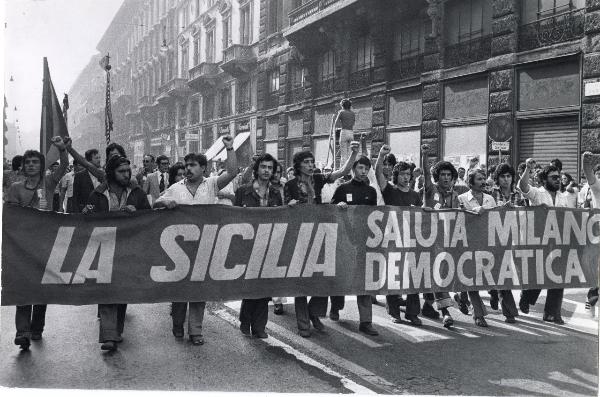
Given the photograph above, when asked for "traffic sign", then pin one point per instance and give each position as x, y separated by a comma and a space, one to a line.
501, 146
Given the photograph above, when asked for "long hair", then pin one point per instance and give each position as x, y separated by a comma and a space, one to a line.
114, 162
443, 165
173, 171
502, 169
38, 155
264, 157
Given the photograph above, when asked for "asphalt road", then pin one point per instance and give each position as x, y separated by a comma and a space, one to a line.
530, 357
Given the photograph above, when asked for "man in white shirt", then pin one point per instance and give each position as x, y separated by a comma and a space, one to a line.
548, 194
66, 188
158, 181
196, 189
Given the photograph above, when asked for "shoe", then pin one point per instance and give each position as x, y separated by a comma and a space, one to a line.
414, 320
589, 309
334, 315
36, 336
304, 333
109, 345
448, 321
197, 340
23, 342
494, 303
553, 319
510, 320
368, 329
462, 306
245, 328
480, 322
278, 309
316, 322
524, 307
260, 334
401, 301
178, 332
429, 312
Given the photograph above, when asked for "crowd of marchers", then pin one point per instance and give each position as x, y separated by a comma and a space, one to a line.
90, 187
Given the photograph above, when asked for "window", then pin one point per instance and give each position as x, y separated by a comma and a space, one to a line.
362, 57
533, 10
210, 46
243, 104
227, 31
225, 109
297, 76
207, 137
184, 61
246, 25
409, 39
194, 111
196, 50
467, 20
274, 81
208, 107
182, 115
274, 16
327, 66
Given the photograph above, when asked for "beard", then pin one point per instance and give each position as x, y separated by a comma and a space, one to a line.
551, 187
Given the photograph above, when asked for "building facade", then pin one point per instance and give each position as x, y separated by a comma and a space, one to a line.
516, 78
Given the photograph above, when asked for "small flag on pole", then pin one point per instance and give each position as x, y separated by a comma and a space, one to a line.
53, 123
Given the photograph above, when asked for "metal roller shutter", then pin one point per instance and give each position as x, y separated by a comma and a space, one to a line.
548, 139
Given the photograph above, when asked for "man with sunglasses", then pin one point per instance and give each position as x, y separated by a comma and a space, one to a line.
547, 194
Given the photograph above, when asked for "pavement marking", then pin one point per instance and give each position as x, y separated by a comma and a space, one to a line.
501, 324
351, 334
538, 327
579, 325
567, 379
410, 332
325, 355
272, 341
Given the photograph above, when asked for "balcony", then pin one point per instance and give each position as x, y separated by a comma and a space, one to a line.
296, 94
554, 29
312, 11
360, 79
407, 67
243, 105
176, 87
474, 50
238, 60
325, 87
202, 75
144, 102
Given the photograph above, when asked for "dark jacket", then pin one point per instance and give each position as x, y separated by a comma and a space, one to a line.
246, 196
82, 188
136, 197
292, 190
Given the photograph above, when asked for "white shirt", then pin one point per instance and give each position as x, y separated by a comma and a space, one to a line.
539, 196
470, 202
178, 192
166, 177
571, 197
67, 182
229, 189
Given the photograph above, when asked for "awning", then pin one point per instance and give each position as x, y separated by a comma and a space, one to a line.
238, 141
214, 149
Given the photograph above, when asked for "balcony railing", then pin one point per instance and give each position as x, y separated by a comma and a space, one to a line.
325, 87
272, 99
296, 94
238, 60
174, 87
203, 73
360, 78
307, 9
407, 67
554, 29
474, 50
243, 105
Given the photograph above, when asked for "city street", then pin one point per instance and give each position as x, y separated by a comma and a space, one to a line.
530, 357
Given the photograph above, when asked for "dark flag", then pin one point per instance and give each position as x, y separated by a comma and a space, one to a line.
53, 123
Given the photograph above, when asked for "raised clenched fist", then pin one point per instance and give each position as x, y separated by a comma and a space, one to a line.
228, 141
385, 150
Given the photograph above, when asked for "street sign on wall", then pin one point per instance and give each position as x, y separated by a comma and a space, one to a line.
501, 146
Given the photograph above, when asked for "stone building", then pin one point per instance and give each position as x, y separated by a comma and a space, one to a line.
468, 77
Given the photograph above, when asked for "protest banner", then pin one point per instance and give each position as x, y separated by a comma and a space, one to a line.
196, 253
